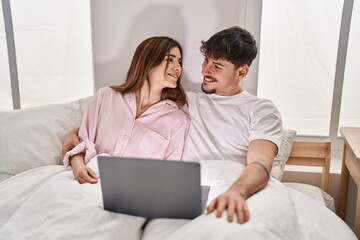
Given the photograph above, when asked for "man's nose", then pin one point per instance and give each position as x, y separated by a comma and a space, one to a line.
205, 69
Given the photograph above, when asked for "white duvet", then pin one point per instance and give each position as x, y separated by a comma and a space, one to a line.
47, 203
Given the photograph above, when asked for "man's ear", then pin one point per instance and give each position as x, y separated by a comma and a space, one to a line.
243, 71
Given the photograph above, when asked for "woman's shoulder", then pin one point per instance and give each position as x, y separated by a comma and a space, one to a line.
177, 112
107, 95
106, 90
110, 92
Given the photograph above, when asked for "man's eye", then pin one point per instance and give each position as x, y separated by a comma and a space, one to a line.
217, 67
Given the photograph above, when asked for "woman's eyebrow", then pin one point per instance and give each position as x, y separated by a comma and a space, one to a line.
172, 55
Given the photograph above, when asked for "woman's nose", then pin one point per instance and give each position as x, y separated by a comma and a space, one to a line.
177, 67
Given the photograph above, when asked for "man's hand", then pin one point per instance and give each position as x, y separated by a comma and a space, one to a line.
70, 141
232, 202
254, 177
82, 173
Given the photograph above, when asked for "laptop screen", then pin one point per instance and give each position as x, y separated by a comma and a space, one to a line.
152, 188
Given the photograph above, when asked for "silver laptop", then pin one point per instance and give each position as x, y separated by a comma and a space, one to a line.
152, 188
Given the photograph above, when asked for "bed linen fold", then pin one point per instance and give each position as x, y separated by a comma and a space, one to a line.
47, 203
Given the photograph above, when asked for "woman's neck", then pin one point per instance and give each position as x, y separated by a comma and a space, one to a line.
145, 98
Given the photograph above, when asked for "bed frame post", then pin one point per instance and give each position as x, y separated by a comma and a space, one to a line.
315, 154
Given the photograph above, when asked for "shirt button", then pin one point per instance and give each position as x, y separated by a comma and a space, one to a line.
126, 137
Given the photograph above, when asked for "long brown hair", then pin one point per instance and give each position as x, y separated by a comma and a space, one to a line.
148, 55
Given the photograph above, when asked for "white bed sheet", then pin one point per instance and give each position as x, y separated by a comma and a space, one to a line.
47, 203
315, 193
277, 212
312, 223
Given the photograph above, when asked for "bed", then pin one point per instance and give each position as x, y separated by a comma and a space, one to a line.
41, 200
315, 153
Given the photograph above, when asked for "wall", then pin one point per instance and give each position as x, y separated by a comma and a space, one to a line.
118, 28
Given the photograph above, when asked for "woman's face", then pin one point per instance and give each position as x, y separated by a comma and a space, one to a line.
167, 77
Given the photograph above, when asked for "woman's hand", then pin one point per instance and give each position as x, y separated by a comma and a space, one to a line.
82, 173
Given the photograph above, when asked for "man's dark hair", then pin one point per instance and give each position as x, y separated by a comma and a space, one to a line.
234, 44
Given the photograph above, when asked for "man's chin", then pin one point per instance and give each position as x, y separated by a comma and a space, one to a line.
207, 91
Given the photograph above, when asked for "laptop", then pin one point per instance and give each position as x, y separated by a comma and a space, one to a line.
152, 188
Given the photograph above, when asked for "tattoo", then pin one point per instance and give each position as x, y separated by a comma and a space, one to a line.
263, 167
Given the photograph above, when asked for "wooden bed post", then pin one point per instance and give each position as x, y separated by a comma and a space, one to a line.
315, 154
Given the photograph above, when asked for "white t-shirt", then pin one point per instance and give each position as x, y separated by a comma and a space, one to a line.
222, 127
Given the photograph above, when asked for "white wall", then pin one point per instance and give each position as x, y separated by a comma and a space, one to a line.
118, 27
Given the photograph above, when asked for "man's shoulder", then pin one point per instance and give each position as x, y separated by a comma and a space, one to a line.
242, 98
193, 94
258, 100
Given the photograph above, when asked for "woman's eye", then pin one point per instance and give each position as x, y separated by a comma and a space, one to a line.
217, 67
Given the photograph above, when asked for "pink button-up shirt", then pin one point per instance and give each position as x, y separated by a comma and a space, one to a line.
109, 126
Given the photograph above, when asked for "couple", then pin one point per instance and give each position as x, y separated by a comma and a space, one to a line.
149, 116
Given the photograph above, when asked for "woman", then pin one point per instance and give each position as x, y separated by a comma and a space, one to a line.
141, 117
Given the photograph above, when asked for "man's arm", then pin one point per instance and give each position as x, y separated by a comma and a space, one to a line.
255, 176
70, 141
82, 173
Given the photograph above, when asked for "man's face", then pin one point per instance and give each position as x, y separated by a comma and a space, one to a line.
221, 77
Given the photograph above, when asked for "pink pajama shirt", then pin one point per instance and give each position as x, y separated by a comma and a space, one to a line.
109, 126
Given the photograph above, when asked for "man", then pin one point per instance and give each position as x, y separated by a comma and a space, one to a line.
229, 123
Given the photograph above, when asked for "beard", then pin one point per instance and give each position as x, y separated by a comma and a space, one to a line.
210, 91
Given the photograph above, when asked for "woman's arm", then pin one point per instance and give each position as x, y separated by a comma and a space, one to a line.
82, 173
79, 148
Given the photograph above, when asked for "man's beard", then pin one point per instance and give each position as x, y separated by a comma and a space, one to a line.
211, 91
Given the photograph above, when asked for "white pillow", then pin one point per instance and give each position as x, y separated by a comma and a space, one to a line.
281, 158
219, 175
228, 171
218, 172
33, 137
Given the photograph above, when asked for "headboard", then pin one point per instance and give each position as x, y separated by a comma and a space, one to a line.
313, 153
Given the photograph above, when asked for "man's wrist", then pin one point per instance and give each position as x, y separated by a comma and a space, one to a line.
237, 187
